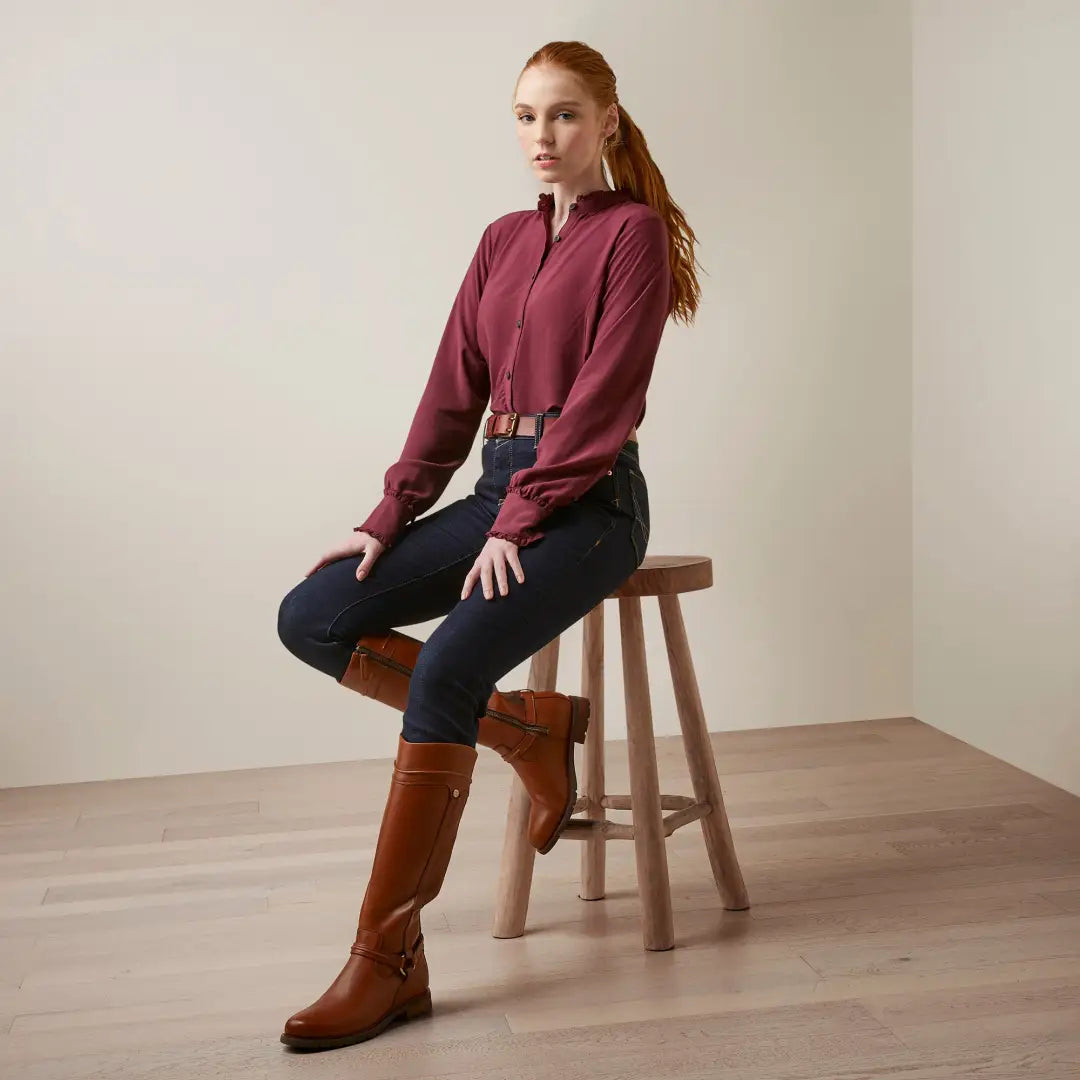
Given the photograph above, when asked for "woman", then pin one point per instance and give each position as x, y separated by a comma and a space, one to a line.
556, 325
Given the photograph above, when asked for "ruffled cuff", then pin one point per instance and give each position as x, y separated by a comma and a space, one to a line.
387, 520
521, 539
518, 519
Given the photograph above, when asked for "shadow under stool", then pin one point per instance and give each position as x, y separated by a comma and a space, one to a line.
664, 577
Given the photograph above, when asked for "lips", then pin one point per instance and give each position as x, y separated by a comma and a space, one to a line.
547, 157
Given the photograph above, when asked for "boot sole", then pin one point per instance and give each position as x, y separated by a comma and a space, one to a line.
415, 1007
579, 725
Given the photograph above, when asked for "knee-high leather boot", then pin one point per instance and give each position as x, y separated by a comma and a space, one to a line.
386, 975
533, 730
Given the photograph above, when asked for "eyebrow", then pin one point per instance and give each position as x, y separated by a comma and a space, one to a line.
522, 105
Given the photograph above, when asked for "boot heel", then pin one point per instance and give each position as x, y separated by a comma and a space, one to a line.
418, 1006
579, 718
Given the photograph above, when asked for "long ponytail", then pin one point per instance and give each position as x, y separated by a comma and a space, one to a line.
631, 166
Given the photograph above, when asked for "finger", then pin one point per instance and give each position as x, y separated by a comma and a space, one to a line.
515, 562
469, 579
500, 574
365, 564
322, 562
485, 575
333, 555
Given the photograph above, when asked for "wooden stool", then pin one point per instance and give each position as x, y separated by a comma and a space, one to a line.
663, 577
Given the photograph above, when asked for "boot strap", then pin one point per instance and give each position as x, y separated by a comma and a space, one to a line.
530, 728
403, 962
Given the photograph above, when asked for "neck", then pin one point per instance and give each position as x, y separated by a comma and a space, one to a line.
566, 193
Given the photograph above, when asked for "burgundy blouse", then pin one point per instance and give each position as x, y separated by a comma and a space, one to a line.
572, 321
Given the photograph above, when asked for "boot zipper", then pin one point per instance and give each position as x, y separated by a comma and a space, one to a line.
506, 718
384, 660
513, 721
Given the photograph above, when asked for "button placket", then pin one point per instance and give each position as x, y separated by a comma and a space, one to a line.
536, 273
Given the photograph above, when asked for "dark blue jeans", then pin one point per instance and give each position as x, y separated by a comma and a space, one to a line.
589, 547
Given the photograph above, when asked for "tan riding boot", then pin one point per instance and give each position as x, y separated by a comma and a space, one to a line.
533, 730
386, 975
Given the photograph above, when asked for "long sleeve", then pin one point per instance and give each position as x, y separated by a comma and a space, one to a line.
608, 392
446, 421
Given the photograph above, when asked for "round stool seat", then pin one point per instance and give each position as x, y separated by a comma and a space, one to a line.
663, 575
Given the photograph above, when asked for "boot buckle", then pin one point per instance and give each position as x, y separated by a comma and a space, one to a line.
408, 960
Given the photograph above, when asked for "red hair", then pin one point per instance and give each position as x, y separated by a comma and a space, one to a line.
631, 166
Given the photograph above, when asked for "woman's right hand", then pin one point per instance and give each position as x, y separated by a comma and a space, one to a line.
361, 543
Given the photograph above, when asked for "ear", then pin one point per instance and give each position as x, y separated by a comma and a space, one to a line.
611, 124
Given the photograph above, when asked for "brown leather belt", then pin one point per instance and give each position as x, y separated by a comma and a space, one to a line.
507, 424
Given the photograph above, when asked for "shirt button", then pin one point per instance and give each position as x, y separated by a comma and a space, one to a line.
519, 322
558, 237
508, 374
573, 206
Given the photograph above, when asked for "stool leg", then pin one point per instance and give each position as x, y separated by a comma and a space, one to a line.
593, 846
700, 760
518, 855
650, 850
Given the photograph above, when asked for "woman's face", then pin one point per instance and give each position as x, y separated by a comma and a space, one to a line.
555, 116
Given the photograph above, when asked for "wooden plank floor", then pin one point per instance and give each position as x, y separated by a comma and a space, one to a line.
915, 913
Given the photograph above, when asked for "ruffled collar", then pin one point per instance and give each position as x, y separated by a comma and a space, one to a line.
587, 203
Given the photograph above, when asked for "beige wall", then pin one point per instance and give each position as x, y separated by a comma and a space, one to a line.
232, 236
997, 380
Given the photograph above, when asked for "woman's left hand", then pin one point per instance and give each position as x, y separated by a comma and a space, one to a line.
494, 556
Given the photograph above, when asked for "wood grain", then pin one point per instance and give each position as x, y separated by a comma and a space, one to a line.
916, 914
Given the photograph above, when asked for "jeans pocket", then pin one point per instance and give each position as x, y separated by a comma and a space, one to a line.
607, 491
605, 531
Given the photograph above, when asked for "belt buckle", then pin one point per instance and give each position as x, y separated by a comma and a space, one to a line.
513, 424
